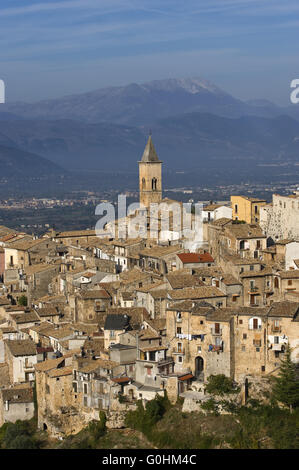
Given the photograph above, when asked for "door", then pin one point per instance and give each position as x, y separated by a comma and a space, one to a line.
199, 365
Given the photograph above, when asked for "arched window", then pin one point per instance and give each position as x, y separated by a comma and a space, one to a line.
154, 184
143, 183
276, 283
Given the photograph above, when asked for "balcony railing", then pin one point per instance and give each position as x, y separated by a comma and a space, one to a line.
259, 327
215, 348
216, 332
179, 351
276, 329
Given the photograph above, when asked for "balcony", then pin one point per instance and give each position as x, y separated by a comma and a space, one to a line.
253, 290
215, 348
276, 329
179, 351
216, 332
163, 362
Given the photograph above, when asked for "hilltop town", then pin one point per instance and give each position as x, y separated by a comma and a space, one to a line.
92, 324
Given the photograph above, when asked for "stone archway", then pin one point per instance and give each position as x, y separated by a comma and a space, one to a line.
199, 367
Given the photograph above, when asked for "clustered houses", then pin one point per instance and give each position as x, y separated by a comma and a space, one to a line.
109, 320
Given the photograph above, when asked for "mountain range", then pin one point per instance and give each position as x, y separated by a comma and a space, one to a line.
139, 105
194, 123
19, 164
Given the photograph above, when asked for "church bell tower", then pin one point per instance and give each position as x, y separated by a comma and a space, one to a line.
150, 176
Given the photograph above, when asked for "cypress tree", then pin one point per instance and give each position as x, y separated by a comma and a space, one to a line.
286, 384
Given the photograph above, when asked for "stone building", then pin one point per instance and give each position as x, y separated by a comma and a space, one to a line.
150, 176
56, 411
21, 357
88, 306
16, 404
280, 219
200, 339
247, 208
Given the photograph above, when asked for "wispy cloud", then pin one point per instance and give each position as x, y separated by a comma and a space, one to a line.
70, 34
108, 5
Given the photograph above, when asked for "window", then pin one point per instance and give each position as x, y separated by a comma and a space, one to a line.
154, 184
255, 323
251, 267
276, 339
180, 359
244, 336
241, 322
179, 330
85, 388
75, 387
289, 282
180, 347
236, 208
263, 368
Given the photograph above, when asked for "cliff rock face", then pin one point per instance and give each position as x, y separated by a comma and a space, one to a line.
117, 413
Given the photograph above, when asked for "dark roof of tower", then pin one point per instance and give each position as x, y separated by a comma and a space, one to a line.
150, 154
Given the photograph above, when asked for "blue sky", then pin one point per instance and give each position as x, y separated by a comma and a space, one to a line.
250, 48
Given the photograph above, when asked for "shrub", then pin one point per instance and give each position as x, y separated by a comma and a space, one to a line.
211, 406
221, 385
23, 300
143, 419
18, 435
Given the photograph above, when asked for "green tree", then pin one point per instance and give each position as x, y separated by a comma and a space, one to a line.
221, 385
23, 301
286, 384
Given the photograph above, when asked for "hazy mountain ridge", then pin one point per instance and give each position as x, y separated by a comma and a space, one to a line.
137, 105
184, 141
17, 163
195, 124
